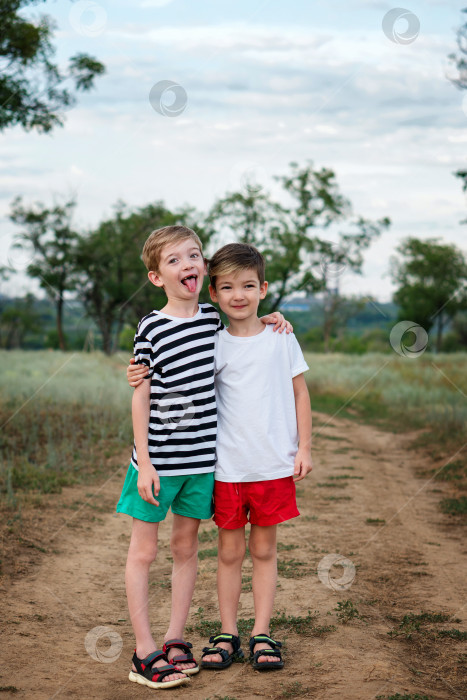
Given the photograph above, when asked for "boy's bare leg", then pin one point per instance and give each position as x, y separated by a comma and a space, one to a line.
263, 550
141, 554
184, 546
231, 553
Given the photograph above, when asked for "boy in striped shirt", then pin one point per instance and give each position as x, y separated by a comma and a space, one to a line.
174, 452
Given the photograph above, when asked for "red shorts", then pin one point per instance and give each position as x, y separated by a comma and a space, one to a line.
258, 502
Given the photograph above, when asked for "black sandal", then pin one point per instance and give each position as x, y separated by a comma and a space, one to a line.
274, 651
185, 658
153, 677
227, 659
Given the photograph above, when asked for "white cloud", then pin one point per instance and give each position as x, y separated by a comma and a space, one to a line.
259, 96
154, 3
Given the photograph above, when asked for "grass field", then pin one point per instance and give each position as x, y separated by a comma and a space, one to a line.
62, 414
426, 392
393, 512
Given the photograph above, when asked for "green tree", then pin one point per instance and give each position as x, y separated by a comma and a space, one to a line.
48, 232
432, 283
112, 279
459, 327
249, 213
16, 320
459, 79
297, 254
337, 311
462, 175
31, 91
458, 61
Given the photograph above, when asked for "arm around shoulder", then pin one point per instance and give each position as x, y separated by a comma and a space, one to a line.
135, 373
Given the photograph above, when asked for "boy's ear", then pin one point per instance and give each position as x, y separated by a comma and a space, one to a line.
155, 278
212, 292
263, 288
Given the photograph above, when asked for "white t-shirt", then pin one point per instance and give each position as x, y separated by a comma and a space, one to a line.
257, 434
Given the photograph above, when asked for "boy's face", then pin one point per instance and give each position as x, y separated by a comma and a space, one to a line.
181, 270
239, 294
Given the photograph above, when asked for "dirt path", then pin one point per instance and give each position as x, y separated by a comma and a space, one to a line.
413, 562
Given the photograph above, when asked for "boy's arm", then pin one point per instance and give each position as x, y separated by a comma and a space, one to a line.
278, 320
303, 463
147, 475
136, 373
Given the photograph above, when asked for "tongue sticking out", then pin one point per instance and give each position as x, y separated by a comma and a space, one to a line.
190, 283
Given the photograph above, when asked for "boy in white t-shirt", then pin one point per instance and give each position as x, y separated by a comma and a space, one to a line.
263, 447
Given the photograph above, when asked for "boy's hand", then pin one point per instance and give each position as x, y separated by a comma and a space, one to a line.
147, 479
279, 322
136, 373
303, 464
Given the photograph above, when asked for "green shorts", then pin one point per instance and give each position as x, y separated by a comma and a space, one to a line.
189, 495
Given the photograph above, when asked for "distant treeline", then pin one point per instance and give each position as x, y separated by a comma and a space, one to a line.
99, 288
29, 323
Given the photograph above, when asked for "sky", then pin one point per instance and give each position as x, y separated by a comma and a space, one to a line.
262, 83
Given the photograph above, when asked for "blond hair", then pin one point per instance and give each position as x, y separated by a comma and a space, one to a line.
158, 239
233, 258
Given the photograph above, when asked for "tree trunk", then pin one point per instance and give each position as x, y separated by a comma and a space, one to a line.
117, 333
280, 295
61, 337
439, 332
106, 337
105, 323
326, 330
329, 309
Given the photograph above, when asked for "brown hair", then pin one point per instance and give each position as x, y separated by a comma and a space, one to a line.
160, 238
235, 257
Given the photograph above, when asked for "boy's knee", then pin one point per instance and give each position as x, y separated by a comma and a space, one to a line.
231, 552
262, 550
143, 554
183, 547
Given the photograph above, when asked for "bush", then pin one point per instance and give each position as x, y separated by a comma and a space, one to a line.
353, 345
125, 340
452, 343
51, 339
312, 340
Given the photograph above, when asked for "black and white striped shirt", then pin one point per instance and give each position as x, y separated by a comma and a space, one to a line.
179, 353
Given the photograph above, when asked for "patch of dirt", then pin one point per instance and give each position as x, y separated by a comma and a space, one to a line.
414, 561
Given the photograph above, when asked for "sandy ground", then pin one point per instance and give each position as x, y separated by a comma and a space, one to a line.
55, 600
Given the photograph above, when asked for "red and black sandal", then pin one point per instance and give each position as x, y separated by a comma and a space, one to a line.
153, 677
185, 658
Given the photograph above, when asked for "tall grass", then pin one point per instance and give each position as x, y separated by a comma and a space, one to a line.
63, 413
427, 391
60, 415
